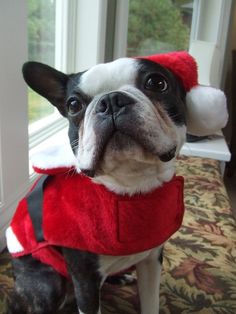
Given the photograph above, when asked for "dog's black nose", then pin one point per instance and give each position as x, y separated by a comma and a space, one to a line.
113, 103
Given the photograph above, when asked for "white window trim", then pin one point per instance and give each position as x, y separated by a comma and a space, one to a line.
121, 29
90, 23
210, 25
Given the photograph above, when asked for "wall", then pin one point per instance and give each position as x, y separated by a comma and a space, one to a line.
231, 45
13, 109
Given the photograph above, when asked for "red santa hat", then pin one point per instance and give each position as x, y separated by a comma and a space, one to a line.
206, 107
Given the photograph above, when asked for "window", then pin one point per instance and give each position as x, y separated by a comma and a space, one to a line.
42, 16
158, 26
41, 48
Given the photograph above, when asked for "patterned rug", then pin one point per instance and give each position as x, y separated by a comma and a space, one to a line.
199, 273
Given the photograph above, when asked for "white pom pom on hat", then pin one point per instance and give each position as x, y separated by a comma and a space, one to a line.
206, 108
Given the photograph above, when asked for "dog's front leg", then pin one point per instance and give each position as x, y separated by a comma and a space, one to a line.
149, 273
83, 268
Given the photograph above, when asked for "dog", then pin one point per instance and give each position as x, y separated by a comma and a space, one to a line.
127, 124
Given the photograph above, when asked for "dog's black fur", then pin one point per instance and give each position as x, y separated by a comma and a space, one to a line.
38, 288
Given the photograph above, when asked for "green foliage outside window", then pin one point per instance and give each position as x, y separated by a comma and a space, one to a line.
41, 48
158, 26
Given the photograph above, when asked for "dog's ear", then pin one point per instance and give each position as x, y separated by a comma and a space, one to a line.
48, 82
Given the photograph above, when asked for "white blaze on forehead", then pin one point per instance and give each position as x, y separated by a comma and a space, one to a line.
109, 76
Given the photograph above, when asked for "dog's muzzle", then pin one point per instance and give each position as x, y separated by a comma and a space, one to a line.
117, 113
115, 104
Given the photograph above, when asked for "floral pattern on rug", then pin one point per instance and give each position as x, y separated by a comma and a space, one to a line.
199, 274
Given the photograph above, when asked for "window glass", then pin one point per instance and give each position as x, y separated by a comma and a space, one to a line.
41, 48
158, 26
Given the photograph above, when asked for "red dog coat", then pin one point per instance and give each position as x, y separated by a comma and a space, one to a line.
77, 213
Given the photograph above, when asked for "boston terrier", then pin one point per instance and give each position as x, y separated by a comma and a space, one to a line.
116, 204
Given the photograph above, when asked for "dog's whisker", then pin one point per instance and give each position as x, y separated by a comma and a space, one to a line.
75, 144
174, 116
75, 141
71, 172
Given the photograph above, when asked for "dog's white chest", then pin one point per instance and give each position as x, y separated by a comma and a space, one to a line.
114, 264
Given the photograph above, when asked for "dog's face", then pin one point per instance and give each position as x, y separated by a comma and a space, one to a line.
126, 119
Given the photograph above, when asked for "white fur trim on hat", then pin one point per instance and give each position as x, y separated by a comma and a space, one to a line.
206, 110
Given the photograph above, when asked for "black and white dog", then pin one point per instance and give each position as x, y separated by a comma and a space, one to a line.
127, 123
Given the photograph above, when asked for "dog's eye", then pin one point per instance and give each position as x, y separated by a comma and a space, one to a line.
156, 83
74, 106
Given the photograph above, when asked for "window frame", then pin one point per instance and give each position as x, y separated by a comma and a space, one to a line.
211, 21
